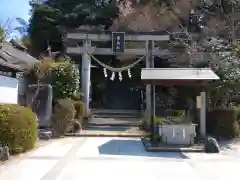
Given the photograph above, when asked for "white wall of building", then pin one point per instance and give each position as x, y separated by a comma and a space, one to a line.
8, 90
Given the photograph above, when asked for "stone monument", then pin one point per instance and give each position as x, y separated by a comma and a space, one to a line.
39, 98
211, 145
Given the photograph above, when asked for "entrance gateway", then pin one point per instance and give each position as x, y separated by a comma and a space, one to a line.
151, 75
118, 40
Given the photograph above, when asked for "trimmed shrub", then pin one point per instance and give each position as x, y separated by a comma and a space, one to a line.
63, 76
64, 113
80, 115
223, 122
78, 96
18, 128
79, 107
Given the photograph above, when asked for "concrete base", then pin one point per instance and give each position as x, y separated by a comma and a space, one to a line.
170, 148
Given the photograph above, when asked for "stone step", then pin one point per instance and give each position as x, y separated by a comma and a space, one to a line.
115, 121
116, 112
103, 133
122, 116
108, 128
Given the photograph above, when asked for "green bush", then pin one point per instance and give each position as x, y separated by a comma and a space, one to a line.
18, 128
180, 113
223, 122
79, 107
65, 80
64, 113
63, 76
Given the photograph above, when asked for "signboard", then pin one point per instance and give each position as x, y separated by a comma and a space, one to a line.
118, 42
198, 100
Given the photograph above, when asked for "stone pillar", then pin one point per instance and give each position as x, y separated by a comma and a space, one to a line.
86, 74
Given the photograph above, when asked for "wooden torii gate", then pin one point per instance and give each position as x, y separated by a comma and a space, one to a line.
118, 48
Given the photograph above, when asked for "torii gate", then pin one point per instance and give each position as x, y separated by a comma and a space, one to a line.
118, 48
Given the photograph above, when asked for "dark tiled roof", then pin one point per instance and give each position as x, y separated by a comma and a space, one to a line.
9, 65
14, 58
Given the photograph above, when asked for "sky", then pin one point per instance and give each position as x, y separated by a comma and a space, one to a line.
11, 9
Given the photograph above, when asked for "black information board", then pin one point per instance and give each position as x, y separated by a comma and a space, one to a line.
118, 42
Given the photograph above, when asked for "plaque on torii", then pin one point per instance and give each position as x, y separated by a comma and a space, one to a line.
118, 42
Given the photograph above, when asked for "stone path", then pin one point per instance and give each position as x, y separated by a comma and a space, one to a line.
116, 158
110, 131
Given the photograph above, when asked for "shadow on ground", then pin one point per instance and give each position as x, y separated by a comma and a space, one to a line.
132, 148
226, 144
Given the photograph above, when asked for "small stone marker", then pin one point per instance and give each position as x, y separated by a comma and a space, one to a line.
74, 127
1, 152
45, 134
211, 145
4, 153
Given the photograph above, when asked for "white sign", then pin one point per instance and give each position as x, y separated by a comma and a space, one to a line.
198, 102
8, 90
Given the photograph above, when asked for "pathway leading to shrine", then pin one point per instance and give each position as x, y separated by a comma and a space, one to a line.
116, 158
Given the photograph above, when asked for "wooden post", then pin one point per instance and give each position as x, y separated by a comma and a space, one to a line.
149, 64
86, 74
203, 114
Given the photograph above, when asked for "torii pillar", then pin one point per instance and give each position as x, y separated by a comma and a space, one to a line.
150, 89
86, 75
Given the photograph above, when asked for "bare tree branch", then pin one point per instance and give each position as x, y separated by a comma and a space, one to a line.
7, 30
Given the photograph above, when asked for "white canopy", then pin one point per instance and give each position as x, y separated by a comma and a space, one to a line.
178, 74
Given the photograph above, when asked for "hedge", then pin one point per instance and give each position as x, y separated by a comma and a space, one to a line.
64, 113
79, 107
223, 122
18, 128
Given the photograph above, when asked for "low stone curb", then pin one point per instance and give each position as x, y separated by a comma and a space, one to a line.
116, 125
102, 135
148, 147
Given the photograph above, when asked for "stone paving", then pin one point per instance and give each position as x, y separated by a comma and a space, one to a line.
103, 131
109, 158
